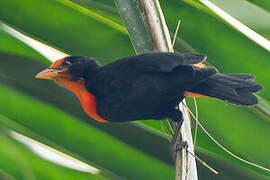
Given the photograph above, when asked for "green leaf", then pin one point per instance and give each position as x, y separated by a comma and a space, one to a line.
95, 145
20, 163
9, 44
6, 176
261, 3
75, 31
226, 170
235, 131
242, 10
70, 27
264, 106
104, 8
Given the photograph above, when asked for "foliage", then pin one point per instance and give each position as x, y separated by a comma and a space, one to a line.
52, 115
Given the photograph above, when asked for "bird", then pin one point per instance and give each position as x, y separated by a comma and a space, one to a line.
147, 86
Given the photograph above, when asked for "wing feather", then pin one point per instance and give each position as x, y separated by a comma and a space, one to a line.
166, 62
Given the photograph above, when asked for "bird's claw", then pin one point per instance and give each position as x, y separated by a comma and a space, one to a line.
177, 146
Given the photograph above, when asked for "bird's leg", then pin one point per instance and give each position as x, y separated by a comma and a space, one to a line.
179, 145
176, 145
176, 132
176, 116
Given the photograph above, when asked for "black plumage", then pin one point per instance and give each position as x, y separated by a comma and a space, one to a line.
150, 86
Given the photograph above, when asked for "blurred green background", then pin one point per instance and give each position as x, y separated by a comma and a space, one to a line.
52, 115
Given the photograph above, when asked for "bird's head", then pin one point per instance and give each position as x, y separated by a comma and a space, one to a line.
69, 70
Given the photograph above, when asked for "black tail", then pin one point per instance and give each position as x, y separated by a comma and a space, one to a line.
235, 88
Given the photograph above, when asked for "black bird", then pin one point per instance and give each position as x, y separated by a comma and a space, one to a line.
147, 86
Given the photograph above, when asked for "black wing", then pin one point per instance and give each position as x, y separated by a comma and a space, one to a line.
159, 62
166, 62
124, 72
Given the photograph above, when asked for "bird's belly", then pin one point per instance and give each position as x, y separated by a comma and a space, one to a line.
128, 108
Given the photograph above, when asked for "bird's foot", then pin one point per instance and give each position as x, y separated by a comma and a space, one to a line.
177, 146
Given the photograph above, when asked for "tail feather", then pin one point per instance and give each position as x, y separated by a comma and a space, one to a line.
237, 89
242, 76
238, 83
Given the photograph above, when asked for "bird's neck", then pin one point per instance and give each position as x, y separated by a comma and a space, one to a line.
87, 100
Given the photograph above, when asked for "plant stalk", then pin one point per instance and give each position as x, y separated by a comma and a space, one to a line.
148, 32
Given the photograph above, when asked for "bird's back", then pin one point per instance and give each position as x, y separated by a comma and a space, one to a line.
124, 91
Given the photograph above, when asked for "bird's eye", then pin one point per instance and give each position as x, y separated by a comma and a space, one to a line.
66, 63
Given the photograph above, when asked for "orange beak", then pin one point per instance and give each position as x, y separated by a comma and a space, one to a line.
49, 73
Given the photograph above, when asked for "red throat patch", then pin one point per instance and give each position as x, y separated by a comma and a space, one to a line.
87, 100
